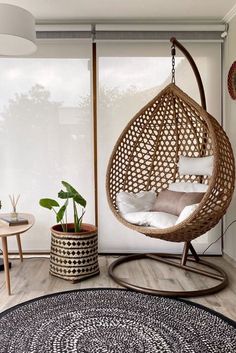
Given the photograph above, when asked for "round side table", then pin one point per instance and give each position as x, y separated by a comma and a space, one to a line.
8, 231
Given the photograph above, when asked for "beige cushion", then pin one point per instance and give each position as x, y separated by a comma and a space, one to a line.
189, 198
173, 202
167, 201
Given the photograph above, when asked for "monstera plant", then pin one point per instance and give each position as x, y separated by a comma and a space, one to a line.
67, 195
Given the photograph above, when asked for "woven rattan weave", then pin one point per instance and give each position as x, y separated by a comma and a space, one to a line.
145, 157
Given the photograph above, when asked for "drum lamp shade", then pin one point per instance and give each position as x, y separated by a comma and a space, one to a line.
17, 31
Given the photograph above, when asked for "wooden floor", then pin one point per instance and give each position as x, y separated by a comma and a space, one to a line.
30, 279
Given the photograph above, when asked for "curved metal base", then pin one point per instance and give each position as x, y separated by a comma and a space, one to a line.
218, 274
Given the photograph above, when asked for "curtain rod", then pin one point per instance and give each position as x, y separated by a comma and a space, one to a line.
133, 27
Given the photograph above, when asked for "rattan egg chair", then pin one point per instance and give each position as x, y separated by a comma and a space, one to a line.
145, 158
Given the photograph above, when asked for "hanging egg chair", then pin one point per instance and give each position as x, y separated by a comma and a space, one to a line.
146, 156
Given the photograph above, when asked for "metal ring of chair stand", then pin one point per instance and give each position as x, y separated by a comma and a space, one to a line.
219, 275
202, 219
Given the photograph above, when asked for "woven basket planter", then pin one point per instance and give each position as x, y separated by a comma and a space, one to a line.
74, 256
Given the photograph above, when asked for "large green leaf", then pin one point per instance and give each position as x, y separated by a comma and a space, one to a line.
80, 200
65, 195
76, 196
61, 212
69, 188
48, 203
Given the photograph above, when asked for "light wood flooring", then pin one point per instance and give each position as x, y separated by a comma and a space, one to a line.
31, 279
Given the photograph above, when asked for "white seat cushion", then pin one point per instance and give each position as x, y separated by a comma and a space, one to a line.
161, 219
139, 218
152, 219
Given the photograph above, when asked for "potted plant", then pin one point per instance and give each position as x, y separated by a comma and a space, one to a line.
74, 246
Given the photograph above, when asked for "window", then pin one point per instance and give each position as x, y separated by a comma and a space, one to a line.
46, 126
46, 131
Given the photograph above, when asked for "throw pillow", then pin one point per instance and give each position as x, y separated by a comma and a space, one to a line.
128, 202
186, 212
189, 198
173, 202
188, 187
195, 165
167, 201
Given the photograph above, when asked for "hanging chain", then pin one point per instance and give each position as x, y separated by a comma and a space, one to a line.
173, 63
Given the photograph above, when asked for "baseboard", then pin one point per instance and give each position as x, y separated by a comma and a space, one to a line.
31, 253
105, 253
229, 259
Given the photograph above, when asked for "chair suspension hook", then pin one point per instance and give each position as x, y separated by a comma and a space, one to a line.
173, 52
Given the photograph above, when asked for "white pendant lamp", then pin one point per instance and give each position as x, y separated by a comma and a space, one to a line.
17, 31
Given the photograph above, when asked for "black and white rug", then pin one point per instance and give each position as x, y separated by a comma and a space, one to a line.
114, 321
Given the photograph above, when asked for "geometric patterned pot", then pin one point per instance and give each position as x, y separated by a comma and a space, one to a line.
74, 256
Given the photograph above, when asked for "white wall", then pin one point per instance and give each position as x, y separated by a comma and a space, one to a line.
230, 126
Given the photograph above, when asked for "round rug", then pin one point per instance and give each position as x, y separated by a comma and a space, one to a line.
114, 321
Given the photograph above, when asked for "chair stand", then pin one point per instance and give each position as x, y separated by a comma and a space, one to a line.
212, 271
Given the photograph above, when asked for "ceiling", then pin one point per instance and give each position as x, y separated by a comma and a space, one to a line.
127, 10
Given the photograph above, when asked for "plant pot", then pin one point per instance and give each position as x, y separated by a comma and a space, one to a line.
74, 256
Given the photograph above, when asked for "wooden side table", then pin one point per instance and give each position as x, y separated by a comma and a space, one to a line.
7, 231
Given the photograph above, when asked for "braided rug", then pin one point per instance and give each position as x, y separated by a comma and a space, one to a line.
114, 321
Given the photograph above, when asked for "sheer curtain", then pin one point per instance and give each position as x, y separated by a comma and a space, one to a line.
46, 132
130, 75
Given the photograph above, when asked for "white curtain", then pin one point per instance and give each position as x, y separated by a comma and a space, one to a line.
130, 75
46, 132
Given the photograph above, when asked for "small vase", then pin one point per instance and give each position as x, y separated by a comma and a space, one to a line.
14, 216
